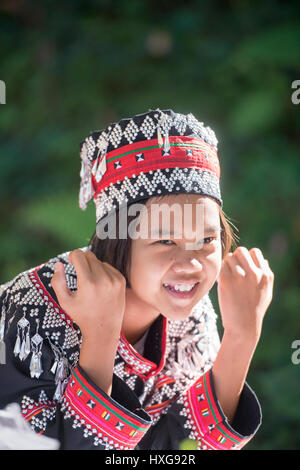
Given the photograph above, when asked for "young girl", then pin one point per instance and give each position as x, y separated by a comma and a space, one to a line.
115, 345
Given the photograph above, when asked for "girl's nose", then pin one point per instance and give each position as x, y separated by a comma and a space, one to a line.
188, 265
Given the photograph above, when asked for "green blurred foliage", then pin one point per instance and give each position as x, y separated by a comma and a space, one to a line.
188, 444
73, 67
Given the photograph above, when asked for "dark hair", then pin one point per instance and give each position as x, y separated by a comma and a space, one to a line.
117, 251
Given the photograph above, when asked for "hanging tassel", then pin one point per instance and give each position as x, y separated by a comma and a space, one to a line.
57, 355
2, 352
35, 366
54, 367
2, 333
101, 170
102, 144
61, 378
22, 354
21, 346
2, 325
159, 137
162, 127
167, 143
17, 347
27, 344
2, 343
62, 370
58, 392
86, 187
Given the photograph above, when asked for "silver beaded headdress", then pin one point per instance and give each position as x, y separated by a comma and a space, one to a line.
151, 154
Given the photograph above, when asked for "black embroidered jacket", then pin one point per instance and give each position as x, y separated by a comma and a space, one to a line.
157, 400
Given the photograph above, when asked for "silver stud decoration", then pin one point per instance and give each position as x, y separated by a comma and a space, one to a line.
148, 127
180, 123
150, 182
131, 131
115, 135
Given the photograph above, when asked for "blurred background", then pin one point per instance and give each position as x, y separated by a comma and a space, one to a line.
73, 67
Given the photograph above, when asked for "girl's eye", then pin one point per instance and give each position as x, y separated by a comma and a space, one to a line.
205, 243
161, 241
209, 238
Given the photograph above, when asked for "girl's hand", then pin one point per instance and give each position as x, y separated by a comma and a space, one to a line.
245, 289
98, 305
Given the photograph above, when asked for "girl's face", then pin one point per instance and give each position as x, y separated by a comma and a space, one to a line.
195, 257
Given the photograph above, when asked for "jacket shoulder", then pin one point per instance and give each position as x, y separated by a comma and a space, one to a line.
44, 273
31, 295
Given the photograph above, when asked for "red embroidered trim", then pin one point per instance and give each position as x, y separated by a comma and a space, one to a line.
47, 297
157, 409
138, 364
113, 426
204, 418
177, 158
34, 409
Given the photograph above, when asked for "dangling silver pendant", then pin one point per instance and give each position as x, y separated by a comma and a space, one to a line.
159, 138
23, 354
101, 170
58, 392
62, 370
21, 348
167, 144
57, 355
2, 352
36, 363
27, 344
2, 334
53, 368
17, 347
61, 378
2, 325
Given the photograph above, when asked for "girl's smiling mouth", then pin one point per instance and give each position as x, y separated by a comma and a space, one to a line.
181, 294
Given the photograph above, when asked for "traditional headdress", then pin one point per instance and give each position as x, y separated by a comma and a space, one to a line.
151, 154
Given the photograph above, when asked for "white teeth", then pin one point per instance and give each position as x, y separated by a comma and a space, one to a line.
182, 287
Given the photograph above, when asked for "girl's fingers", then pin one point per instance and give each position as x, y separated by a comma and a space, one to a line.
81, 264
226, 269
245, 260
59, 283
104, 268
258, 259
234, 265
97, 266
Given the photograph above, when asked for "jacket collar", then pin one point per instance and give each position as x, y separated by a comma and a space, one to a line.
153, 359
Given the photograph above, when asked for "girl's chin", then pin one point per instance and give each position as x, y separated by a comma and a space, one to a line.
177, 316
